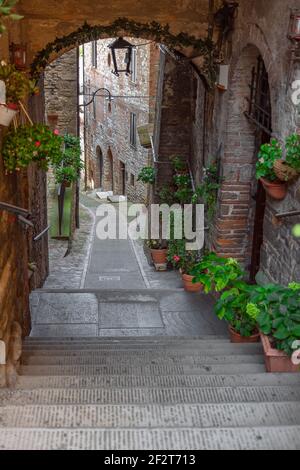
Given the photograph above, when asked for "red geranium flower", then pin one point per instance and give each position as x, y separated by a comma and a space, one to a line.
176, 258
38, 143
56, 132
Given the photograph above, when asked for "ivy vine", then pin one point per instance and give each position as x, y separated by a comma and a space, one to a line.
153, 30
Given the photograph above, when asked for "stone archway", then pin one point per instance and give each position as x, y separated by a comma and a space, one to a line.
237, 210
109, 183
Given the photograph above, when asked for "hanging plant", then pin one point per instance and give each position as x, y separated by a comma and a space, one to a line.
18, 85
153, 30
7, 13
26, 144
67, 164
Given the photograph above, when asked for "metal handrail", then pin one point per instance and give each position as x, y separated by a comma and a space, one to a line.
40, 235
14, 209
287, 214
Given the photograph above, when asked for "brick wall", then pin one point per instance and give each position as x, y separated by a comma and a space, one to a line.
261, 28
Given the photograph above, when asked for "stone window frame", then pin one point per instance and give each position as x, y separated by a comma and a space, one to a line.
132, 179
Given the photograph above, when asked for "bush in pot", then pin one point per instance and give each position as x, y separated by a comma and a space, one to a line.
265, 172
216, 273
26, 144
147, 175
236, 308
179, 164
158, 249
279, 323
185, 261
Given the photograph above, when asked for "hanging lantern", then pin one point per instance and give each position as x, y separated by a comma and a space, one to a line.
18, 56
121, 51
294, 30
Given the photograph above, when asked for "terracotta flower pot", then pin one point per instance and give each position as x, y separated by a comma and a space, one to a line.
275, 360
188, 284
237, 338
159, 256
275, 189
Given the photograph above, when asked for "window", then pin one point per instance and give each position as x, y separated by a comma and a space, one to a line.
94, 109
132, 180
94, 54
133, 65
133, 129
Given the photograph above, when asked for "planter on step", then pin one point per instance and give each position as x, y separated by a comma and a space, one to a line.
237, 338
275, 360
7, 114
188, 284
275, 189
159, 256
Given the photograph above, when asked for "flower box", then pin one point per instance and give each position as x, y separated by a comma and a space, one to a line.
275, 360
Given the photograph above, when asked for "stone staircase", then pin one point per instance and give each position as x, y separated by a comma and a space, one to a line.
148, 393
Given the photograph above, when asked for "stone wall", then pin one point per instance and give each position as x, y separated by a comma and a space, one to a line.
108, 124
261, 28
61, 93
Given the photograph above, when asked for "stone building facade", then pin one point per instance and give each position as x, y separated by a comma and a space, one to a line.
61, 93
114, 155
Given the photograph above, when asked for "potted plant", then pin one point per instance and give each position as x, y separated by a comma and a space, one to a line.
265, 172
26, 144
236, 308
179, 165
18, 87
158, 249
279, 323
147, 175
66, 175
289, 169
185, 261
216, 273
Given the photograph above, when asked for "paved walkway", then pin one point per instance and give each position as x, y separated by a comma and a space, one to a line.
107, 288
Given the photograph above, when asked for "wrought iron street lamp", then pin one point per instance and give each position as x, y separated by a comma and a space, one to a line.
118, 48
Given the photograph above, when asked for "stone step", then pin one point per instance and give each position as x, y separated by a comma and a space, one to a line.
144, 359
163, 381
155, 369
227, 349
263, 438
148, 395
151, 416
162, 340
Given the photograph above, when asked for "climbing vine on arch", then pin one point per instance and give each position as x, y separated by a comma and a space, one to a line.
160, 33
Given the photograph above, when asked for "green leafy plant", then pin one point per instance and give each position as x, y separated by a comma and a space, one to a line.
182, 181
167, 195
207, 192
279, 316
293, 151
181, 258
296, 231
68, 164
179, 164
66, 174
26, 144
236, 308
147, 175
183, 195
216, 273
7, 13
18, 85
267, 156
156, 244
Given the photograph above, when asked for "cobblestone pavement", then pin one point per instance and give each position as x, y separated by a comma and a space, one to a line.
68, 272
107, 288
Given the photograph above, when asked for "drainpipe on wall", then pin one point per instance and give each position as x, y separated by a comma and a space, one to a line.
77, 221
2, 353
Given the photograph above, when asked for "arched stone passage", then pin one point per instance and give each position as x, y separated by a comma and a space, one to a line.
109, 183
237, 210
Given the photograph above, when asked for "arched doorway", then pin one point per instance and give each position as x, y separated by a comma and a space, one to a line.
99, 163
241, 211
